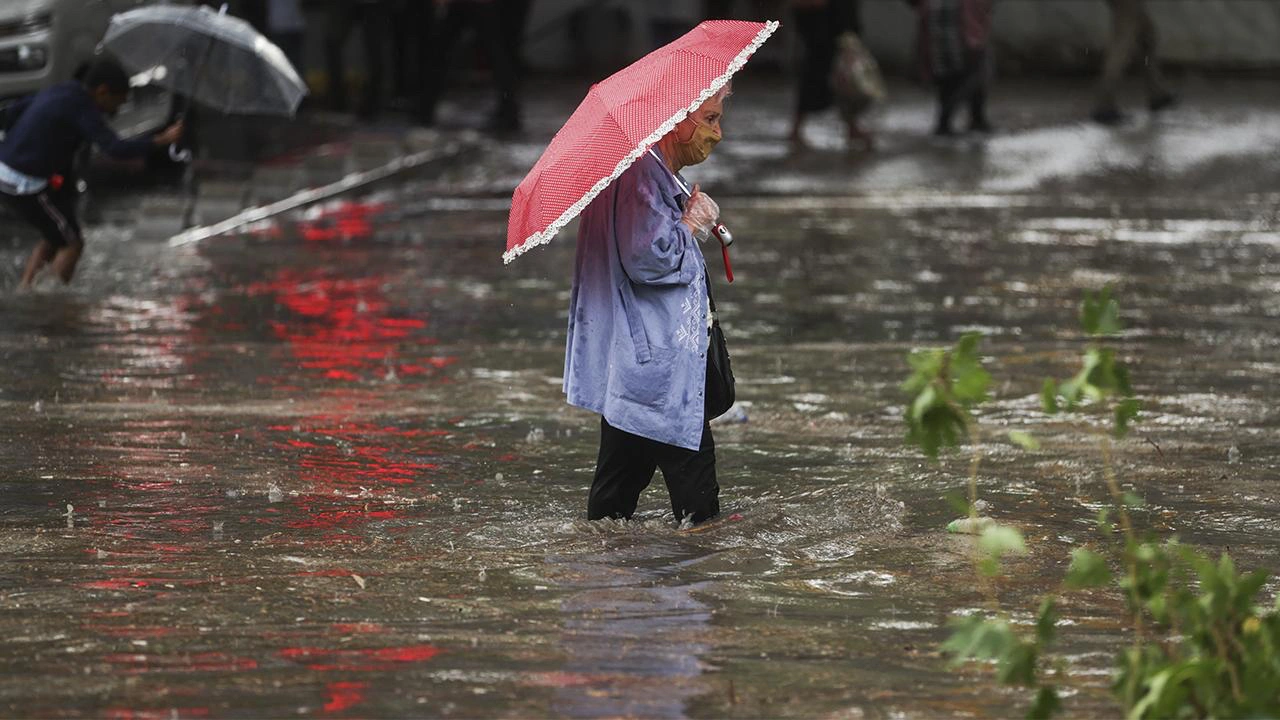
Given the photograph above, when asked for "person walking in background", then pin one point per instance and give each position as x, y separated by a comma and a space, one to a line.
46, 132
820, 23
1133, 36
343, 16
495, 24
955, 44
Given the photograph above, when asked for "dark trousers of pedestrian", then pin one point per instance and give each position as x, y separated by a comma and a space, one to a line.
494, 27
818, 29
52, 212
626, 465
371, 19
1133, 37
966, 87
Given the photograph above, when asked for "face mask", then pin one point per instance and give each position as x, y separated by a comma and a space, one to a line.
698, 147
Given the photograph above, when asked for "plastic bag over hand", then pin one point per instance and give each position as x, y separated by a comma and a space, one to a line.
701, 213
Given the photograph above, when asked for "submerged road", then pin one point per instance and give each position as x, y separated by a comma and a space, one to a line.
323, 467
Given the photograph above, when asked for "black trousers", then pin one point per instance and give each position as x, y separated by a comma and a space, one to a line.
52, 212
818, 29
625, 468
967, 86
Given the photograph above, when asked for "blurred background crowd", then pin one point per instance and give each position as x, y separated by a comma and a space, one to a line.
375, 56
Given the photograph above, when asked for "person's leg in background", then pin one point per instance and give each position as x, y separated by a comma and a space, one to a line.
624, 468
52, 213
814, 83
63, 202
1123, 42
978, 81
501, 24
40, 256
374, 19
1159, 97
443, 39
949, 88
338, 20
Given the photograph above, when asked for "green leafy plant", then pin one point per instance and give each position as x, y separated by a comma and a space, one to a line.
1202, 645
945, 386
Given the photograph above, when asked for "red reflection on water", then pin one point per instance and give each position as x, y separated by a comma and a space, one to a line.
344, 695
356, 456
360, 659
343, 220
343, 327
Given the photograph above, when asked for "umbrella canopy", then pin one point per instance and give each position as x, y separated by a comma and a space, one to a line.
213, 58
619, 119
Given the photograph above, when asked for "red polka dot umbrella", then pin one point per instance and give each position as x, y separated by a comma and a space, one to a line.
619, 119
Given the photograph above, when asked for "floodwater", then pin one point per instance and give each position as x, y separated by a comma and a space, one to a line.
324, 467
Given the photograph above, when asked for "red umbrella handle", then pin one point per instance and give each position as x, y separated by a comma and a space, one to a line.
726, 239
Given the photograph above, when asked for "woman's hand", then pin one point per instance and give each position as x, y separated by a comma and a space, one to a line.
700, 214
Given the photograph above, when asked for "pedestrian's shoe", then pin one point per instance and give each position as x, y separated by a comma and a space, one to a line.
1163, 101
1108, 116
943, 130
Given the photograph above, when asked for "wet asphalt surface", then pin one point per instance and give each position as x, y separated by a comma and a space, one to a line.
323, 467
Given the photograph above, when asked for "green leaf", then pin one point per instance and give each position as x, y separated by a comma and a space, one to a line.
958, 502
976, 638
1024, 439
1049, 397
1126, 411
1071, 391
926, 366
1100, 315
969, 382
1047, 621
1104, 525
1088, 569
1000, 540
1045, 704
937, 425
1122, 379
1018, 666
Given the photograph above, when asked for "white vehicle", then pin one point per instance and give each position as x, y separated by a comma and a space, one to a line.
43, 42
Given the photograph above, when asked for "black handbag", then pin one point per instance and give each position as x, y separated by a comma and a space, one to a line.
720, 393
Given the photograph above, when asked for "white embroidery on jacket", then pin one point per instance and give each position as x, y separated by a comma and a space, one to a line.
691, 333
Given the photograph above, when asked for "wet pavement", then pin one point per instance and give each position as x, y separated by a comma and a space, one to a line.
323, 466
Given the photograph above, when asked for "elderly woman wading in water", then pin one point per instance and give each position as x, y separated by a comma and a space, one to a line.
639, 315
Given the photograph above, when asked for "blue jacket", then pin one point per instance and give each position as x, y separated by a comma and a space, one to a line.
637, 345
52, 125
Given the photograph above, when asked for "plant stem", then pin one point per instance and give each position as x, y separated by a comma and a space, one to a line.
1131, 564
